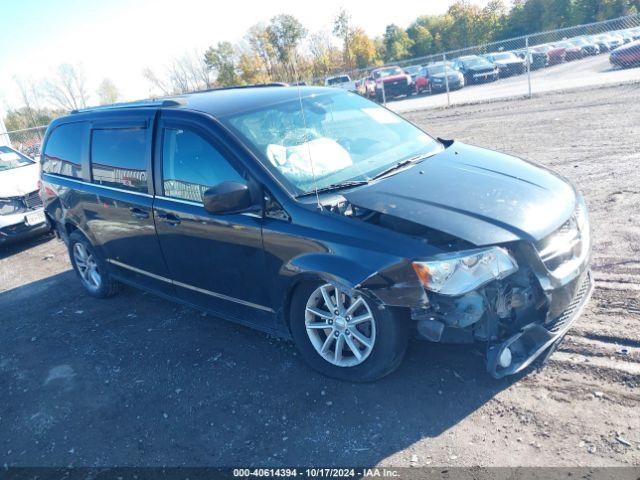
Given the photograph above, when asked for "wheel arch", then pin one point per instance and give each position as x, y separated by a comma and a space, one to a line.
68, 226
389, 283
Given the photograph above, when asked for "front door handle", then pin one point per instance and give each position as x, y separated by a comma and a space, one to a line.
169, 218
139, 213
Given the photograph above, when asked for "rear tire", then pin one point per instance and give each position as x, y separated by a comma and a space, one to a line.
379, 336
90, 268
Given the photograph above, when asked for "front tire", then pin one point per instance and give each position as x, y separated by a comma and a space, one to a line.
346, 336
90, 268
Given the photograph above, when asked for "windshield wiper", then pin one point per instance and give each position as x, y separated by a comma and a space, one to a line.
392, 168
401, 165
336, 186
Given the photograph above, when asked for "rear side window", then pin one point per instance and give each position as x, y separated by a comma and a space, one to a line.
191, 165
119, 158
64, 150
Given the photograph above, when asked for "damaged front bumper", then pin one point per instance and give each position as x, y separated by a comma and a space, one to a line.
522, 349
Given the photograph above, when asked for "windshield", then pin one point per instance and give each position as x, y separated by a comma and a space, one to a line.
337, 80
439, 69
412, 70
387, 72
341, 137
476, 62
502, 56
10, 159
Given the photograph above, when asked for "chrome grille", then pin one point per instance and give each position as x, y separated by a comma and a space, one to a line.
556, 325
32, 200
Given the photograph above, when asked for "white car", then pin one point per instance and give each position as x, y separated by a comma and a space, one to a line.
341, 81
21, 211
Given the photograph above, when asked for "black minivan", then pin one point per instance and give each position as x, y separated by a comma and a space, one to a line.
315, 214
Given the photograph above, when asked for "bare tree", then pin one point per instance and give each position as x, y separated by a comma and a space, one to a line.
156, 82
324, 56
107, 92
67, 90
186, 73
30, 98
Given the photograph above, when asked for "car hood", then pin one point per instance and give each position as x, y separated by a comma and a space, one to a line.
480, 68
509, 62
19, 181
450, 75
478, 195
393, 78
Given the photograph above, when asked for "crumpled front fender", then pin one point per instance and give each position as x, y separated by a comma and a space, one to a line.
393, 283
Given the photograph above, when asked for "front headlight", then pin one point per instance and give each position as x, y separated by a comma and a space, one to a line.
461, 272
9, 206
582, 216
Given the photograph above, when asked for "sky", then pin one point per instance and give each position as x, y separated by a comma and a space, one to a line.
118, 38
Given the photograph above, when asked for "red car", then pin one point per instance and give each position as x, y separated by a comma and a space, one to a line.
627, 55
422, 81
395, 81
571, 51
555, 54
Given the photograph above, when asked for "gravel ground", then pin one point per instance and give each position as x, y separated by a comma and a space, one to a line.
136, 380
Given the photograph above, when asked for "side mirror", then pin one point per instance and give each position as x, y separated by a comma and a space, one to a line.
227, 197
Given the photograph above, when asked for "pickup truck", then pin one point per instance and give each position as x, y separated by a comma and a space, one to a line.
341, 81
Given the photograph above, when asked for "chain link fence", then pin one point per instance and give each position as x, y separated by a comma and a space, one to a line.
26, 140
592, 54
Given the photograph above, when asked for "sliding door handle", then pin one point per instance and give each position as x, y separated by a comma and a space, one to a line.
169, 218
139, 213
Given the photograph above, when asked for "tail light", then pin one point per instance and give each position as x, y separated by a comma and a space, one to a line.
44, 190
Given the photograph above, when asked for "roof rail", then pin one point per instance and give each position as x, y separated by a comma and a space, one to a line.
136, 104
240, 87
173, 101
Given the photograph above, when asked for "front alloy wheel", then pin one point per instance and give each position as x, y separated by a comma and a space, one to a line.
350, 336
340, 327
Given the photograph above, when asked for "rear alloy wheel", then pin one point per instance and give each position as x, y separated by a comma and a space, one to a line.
90, 268
87, 267
349, 336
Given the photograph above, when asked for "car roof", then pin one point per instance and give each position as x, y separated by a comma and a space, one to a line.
216, 102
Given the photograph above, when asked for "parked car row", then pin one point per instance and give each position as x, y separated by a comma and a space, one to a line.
388, 82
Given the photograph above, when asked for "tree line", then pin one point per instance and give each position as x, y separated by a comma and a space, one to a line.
284, 50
